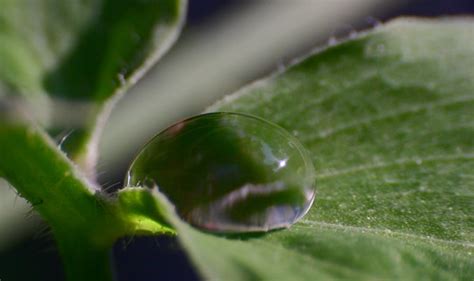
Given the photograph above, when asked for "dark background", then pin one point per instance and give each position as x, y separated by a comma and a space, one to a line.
153, 258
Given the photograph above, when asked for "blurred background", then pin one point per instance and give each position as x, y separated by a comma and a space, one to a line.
224, 45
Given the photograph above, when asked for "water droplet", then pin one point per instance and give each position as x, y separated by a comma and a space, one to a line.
228, 172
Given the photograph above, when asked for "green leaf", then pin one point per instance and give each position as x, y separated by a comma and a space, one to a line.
82, 49
388, 118
143, 214
74, 56
64, 64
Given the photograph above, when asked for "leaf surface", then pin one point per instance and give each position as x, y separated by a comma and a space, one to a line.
388, 118
82, 50
69, 58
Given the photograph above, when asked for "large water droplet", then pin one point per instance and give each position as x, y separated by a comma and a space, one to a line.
228, 172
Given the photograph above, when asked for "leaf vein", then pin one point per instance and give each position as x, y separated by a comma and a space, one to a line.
325, 134
397, 162
386, 232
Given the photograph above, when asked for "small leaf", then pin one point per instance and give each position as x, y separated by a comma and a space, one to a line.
71, 57
388, 118
82, 50
137, 207
67, 62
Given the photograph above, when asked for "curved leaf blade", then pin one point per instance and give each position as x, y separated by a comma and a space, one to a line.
74, 56
83, 50
388, 119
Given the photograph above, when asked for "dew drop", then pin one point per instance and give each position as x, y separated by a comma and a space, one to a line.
228, 173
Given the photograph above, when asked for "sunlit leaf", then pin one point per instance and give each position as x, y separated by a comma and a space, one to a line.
388, 118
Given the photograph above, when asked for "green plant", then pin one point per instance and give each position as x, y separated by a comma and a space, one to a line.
387, 117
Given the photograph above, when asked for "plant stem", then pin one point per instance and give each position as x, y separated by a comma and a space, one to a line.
85, 222
84, 260
81, 221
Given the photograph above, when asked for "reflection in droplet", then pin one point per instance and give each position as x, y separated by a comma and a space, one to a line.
228, 172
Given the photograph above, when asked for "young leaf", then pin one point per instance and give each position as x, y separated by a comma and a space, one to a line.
76, 57
388, 119
80, 54
82, 50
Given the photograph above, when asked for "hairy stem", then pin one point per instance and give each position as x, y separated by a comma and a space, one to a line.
84, 260
81, 221
85, 222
